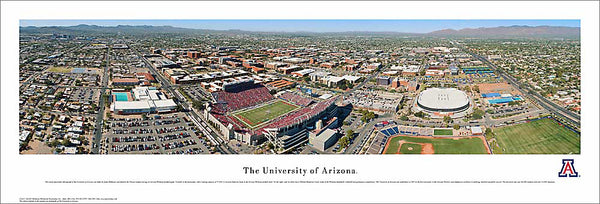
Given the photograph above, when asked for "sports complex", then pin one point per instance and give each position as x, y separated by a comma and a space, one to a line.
436, 145
440, 102
248, 112
399, 139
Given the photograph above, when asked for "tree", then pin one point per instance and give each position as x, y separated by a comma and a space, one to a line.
342, 86
344, 141
447, 119
350, 134
404, 118
66, 142
476, 88
477, 114
198, 105
456, 126
306, 79
363, 119
54, 143
467, 89
420, 114
370, 115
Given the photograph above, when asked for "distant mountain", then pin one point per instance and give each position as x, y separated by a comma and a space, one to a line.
83, 28
511, 31
494, 32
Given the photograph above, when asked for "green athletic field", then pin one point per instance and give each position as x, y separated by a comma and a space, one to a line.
265, 113
543, 136
441, 145
416, 148
442, 132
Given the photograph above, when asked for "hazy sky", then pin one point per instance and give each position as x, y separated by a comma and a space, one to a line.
413, 26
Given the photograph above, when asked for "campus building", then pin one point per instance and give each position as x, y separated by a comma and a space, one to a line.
141, 100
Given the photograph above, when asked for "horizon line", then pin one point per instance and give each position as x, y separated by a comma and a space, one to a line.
312, 25
297, 31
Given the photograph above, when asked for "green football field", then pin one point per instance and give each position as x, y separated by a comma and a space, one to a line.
442, 132
264, 113
543, 136
440, 145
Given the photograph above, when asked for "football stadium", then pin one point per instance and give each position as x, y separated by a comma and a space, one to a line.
247, 111
439, 102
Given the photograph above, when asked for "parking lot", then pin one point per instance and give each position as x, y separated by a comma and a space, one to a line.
195, 92
84, 94
165, 134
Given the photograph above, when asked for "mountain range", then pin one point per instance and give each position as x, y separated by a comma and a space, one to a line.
490, 32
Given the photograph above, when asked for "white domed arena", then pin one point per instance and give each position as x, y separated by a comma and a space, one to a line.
443, 101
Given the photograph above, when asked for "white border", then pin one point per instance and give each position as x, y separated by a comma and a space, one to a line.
23, 175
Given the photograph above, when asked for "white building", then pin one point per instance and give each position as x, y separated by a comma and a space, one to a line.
146, 100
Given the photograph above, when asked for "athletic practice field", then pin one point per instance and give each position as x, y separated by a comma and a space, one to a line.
265, 113
442, 132
544, 136
431, 145
59, 69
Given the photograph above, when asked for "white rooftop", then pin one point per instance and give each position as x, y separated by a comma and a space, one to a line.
443, 98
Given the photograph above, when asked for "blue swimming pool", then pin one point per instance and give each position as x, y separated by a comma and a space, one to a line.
121, 96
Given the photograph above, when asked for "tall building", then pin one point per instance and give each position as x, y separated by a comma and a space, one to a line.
384, 81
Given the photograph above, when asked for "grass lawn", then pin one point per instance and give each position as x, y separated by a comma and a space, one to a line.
442, 145
59, 69
543, 136
261, 114
416, 148
442, 132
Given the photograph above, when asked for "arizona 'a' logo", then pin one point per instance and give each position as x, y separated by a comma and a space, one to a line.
568, 170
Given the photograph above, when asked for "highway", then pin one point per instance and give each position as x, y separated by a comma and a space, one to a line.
209, 132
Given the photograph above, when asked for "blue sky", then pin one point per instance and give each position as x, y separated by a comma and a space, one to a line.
413, 26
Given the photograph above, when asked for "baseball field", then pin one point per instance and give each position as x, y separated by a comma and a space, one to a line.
432, 145
265, 113
544, 136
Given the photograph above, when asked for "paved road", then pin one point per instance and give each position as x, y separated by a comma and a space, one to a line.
210, 133
363, 135
101, 106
